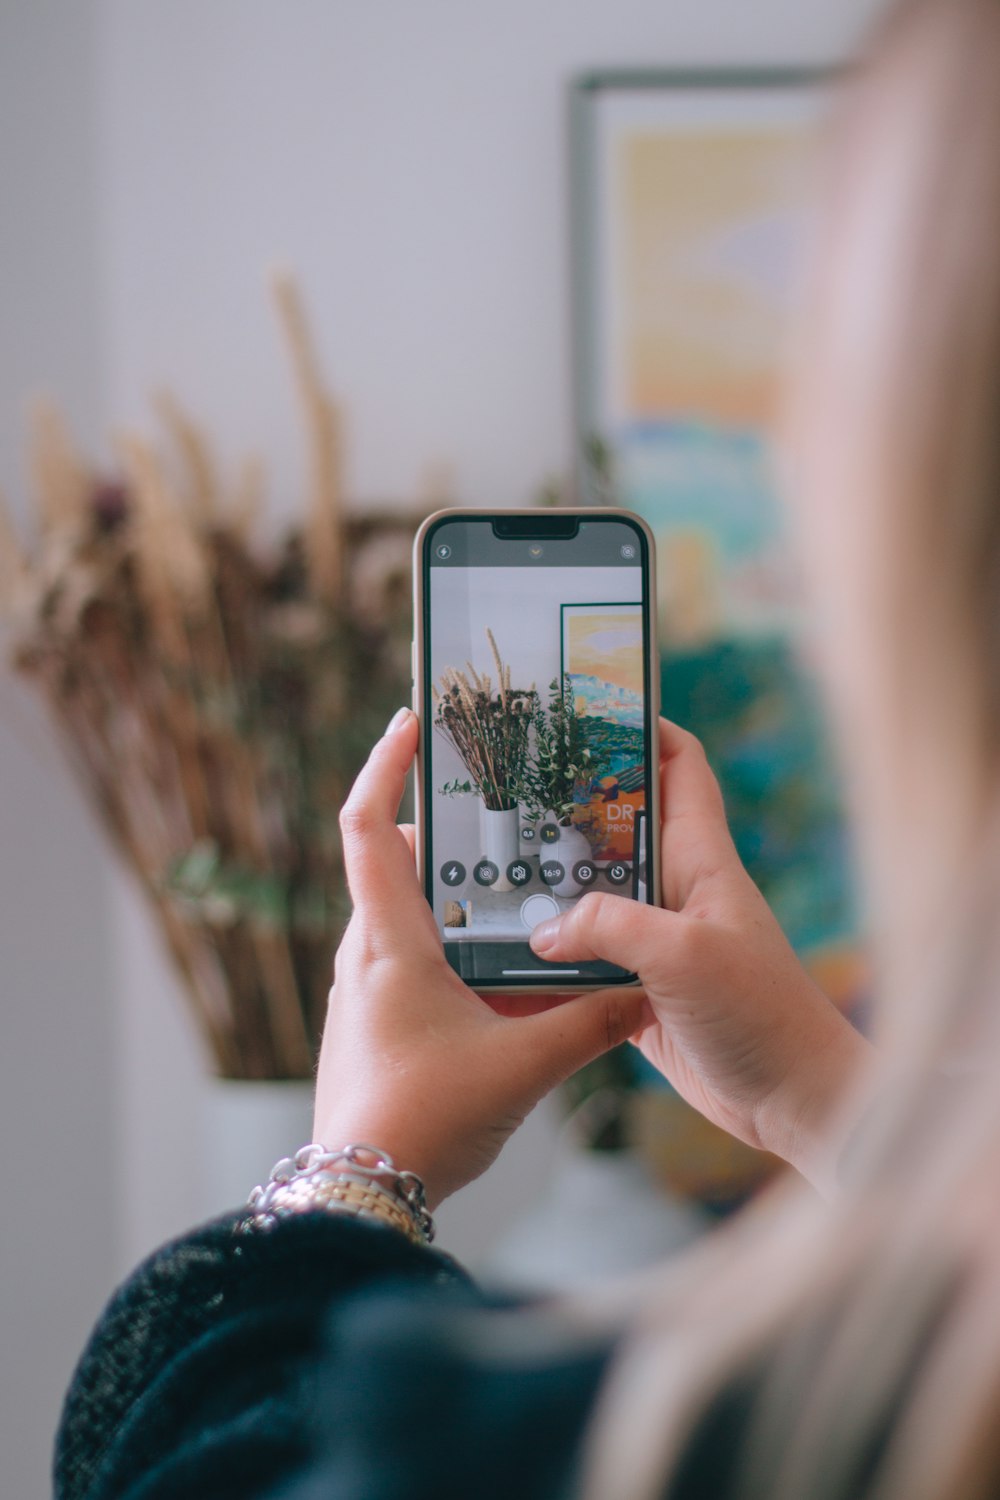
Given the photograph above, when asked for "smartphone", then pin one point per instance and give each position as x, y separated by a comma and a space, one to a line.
536, 682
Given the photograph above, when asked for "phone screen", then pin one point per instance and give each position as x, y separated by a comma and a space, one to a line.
538, 723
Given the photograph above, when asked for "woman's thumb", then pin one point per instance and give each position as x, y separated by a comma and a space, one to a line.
613, 928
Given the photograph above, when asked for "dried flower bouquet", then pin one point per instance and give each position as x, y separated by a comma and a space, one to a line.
488, 728
217, 698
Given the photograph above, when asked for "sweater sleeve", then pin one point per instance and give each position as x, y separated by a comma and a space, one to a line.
200, 1377
452, 1398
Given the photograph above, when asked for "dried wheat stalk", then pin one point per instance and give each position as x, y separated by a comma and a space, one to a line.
216, 699
323, 528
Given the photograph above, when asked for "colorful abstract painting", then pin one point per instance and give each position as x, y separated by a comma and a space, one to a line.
691, 203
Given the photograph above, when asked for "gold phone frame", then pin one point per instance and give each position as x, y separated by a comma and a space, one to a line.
589, 512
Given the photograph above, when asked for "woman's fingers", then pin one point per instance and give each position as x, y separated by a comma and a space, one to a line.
377, 857
695, 838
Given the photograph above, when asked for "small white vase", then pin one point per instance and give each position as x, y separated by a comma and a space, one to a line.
500, 837
248, 1126
570, 849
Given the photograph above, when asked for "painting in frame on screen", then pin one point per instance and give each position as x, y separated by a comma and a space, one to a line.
602, 669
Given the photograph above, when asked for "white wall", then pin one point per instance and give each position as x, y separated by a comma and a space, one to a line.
57, 1035
407, 158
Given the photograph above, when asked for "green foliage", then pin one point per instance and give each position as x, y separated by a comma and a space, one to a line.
457, 788
223, 895
562, 763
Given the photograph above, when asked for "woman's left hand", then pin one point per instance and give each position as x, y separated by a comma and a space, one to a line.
413, 1061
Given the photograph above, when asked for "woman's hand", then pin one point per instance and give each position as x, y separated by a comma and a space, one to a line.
741, 1030
413, 1061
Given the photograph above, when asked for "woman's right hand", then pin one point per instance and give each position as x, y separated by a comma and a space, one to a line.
741, 1031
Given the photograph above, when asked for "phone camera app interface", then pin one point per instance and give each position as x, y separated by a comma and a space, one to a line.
537, 766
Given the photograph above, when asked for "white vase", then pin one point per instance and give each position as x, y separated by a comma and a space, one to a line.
527, 834
248, 1126
500, 838
570, 849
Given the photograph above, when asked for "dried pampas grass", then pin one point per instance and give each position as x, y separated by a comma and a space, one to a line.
217, 697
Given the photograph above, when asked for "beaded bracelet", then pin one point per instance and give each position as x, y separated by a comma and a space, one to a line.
316, 1179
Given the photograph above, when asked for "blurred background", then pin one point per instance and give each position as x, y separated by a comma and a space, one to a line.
410, 163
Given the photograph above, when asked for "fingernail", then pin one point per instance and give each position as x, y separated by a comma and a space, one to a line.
544, 935
398, 719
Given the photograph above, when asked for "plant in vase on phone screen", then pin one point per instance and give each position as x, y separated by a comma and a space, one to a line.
489, 727
561, 766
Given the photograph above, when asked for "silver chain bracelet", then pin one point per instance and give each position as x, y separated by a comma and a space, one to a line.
341, 1181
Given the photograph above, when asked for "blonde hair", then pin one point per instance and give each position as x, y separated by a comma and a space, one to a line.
862, 1337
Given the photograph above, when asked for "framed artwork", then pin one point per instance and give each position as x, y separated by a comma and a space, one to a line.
689, 198
602, 667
